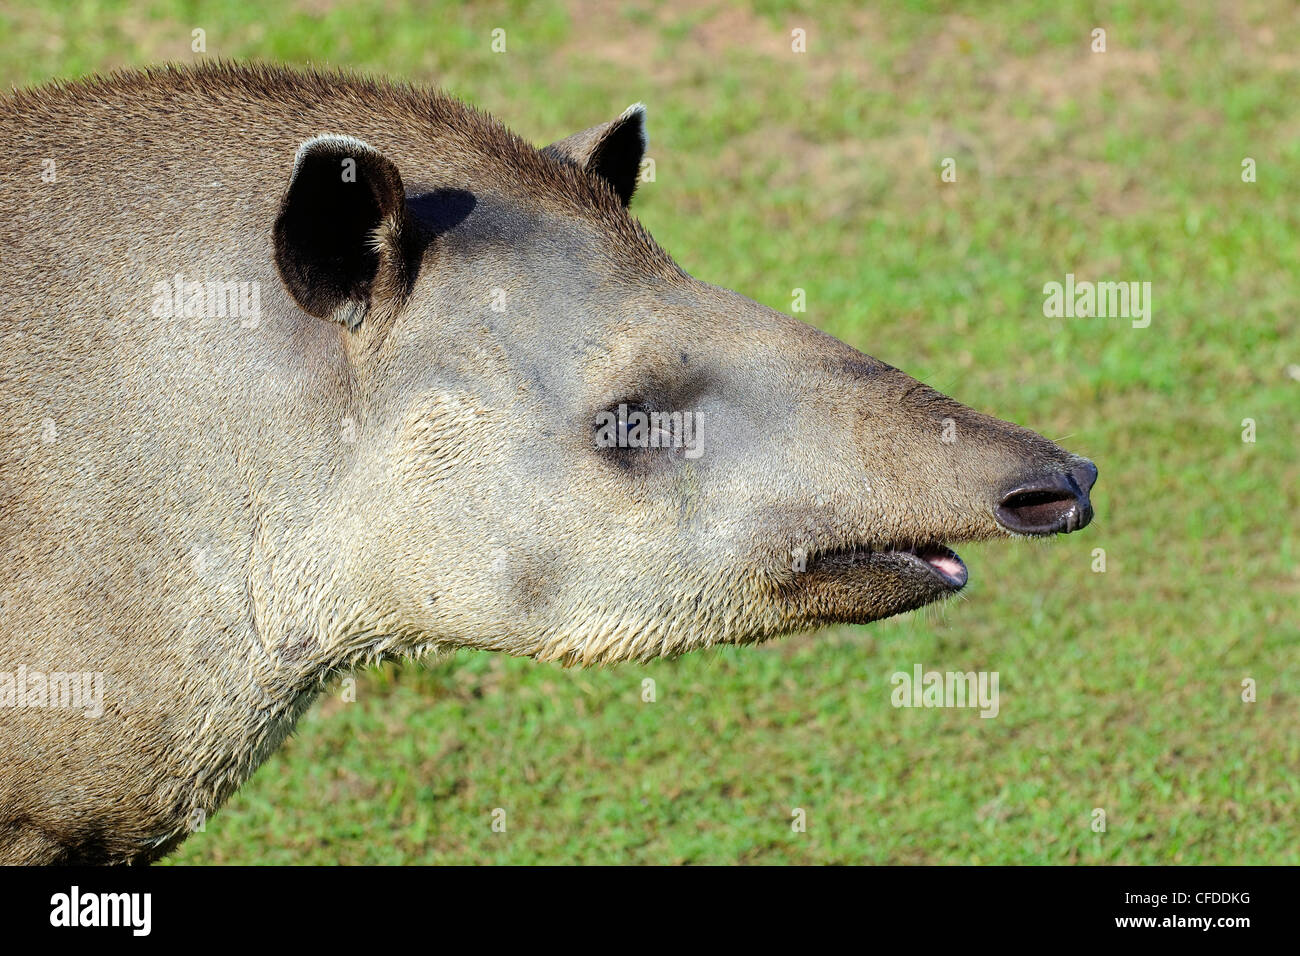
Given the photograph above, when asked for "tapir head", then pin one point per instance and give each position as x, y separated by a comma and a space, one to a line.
569, 448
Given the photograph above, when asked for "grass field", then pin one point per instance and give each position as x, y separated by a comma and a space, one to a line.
777, 170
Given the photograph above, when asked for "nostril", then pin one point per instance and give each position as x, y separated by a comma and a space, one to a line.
1047, 505
1037, 509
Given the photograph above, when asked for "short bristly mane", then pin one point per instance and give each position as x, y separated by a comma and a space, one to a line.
346, 100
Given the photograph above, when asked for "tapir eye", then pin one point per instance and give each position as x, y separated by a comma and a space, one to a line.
639, 435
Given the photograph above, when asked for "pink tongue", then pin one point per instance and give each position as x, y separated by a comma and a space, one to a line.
945, 563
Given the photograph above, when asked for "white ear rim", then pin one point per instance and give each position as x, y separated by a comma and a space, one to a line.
637, 111
349, 144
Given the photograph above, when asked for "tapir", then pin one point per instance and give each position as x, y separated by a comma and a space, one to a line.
301, 371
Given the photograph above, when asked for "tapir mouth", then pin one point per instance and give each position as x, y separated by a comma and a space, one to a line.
939, 561
942, 561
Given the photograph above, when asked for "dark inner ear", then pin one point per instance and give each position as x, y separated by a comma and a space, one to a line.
617, 158
328, 243
611, 150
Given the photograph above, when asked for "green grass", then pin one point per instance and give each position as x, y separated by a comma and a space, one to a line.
1120, 690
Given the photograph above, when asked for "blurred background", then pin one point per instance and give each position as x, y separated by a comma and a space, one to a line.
1122, 689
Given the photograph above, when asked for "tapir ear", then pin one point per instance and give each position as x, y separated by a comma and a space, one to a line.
612, 150
343, 237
